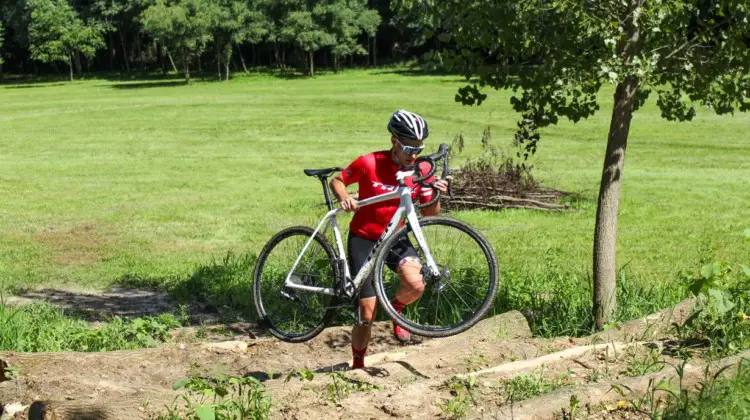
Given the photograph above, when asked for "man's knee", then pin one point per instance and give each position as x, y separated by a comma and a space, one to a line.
367, 308
410, 271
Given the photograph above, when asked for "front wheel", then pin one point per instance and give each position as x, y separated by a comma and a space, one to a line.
454, 300
295, 315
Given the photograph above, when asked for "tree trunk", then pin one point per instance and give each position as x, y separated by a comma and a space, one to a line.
77, 61
124, 50
336, 64
162, 62
312, 65
70, 65
187, 69
174, 67
369, 50
242, 59
138, 51
226, 72
375, 50
218, 67
605, 233
112, 51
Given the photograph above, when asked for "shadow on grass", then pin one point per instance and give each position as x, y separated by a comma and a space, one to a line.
101, 306
173, 79
143, 85
416, 71
221, 287
218, 291
31, 86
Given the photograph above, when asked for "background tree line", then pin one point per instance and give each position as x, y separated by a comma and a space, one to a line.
217, 35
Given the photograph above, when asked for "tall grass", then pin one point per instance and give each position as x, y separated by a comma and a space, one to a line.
40, 327
721, 399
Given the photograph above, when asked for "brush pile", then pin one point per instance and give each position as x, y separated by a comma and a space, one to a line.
493, 181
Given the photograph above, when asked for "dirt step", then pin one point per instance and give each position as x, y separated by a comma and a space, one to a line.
402, 381
117, 384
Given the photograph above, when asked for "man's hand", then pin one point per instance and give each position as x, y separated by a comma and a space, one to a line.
442, 184
349, 204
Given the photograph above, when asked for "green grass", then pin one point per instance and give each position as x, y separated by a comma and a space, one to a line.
41, 327
724, 399
107, 182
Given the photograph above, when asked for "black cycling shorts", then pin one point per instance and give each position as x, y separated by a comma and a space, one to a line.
359, 248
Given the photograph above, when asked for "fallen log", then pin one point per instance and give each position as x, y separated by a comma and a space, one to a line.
550, 405
522, 366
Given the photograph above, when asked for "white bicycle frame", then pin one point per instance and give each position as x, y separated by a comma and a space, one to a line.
406, 205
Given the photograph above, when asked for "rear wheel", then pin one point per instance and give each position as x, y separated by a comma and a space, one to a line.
295, 315
459, 296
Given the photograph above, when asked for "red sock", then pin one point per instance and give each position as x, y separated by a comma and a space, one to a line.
358, 358
397, 305
401, 334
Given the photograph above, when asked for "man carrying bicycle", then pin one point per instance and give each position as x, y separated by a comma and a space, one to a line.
375, 174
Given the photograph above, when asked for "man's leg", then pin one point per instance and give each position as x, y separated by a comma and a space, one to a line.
358, 250
411, 288
361, 333
409, 271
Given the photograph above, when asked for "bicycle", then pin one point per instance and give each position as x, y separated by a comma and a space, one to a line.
297, 292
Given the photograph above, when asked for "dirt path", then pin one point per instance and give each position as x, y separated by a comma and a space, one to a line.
483, 373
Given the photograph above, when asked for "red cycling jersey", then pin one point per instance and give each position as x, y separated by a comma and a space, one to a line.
376, 174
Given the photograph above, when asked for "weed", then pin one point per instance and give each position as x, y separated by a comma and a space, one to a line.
341, 387
455, 407
222, 398
461, 390
720, 323
303, 375
476, 361
649, 363
716, 398
523, 387
720, 399
10, 372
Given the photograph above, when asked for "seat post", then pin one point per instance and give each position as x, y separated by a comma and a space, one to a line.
326, 192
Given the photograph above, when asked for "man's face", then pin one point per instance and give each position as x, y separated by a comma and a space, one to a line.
405, 158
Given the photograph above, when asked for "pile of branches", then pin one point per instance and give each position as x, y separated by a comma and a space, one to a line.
492, 188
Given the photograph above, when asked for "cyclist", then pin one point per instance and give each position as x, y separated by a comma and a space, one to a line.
375, 174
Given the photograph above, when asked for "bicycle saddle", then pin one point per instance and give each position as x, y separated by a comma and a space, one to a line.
322, 172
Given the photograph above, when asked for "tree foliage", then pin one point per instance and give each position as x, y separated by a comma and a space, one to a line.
56, 32
185, 26
143, 34
555, 55
346, 20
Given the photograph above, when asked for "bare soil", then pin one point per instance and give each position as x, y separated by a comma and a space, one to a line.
465, 375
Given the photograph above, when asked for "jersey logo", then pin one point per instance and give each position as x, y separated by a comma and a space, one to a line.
387, 188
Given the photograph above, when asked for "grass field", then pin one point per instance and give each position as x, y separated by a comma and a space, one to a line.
109, 180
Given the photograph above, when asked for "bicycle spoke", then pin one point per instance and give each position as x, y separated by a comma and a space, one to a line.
463, 290
289, 313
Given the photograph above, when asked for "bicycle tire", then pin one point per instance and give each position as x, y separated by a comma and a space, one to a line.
474, 315
271, 321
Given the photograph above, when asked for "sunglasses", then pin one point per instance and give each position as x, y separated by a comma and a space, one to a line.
410, 150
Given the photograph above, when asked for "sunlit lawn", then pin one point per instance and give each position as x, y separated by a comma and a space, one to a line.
104, 179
